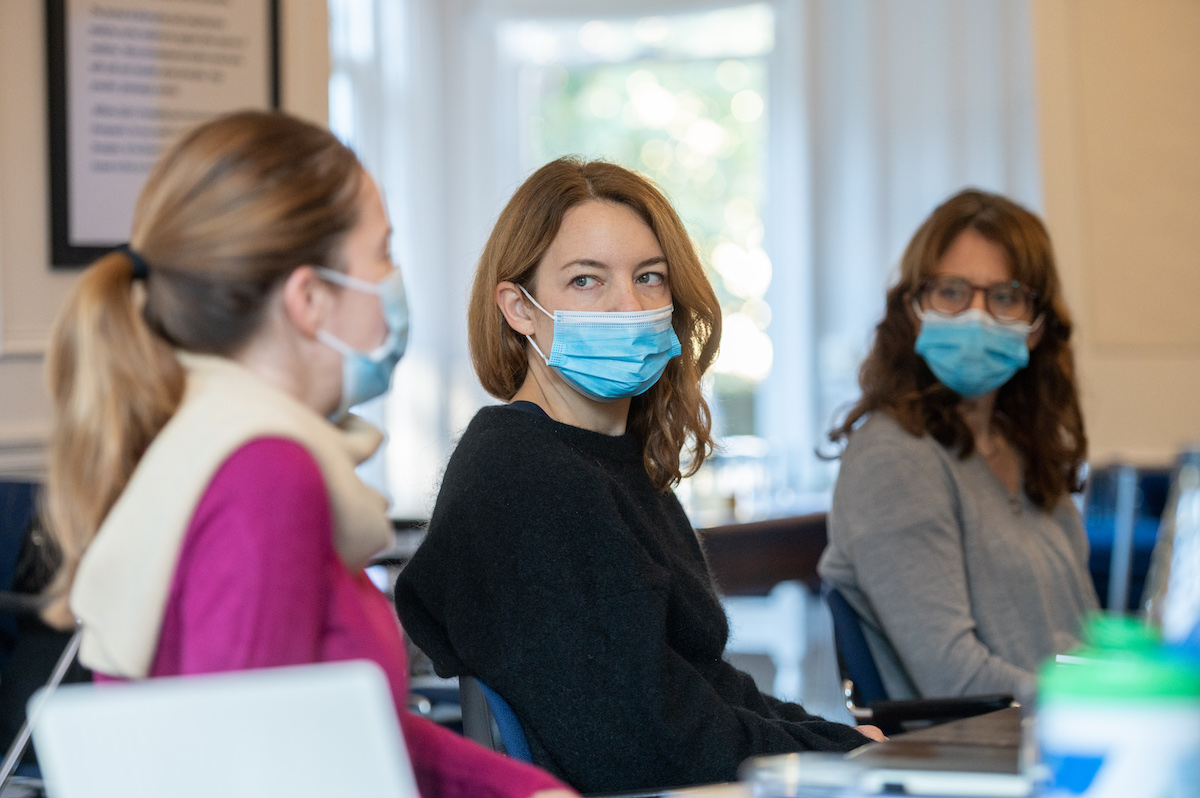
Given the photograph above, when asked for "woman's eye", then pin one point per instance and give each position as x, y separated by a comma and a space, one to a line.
583, 281
652, 278
1004, 297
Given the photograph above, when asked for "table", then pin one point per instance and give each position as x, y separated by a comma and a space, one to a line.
750, 559
1000, 729
733, 790
746, 559
979, 756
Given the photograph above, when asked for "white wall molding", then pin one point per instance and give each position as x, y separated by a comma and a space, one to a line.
23, 453
13, 348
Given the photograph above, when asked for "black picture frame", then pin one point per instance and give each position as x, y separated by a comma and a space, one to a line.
64, 253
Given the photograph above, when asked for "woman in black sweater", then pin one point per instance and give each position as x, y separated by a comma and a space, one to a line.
559, 568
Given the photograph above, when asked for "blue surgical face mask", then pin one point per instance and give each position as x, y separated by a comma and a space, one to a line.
366, 375
972, 353
607, 355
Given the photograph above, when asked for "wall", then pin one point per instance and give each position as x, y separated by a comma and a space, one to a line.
1119, 100
30, 292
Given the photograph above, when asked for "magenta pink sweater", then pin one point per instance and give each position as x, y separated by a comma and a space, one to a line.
259, 584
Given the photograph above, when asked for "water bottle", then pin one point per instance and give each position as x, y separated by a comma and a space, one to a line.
1119, 718
1173, 584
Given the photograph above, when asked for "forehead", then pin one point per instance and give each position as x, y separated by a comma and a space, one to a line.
976, 258
372, 209
609, 232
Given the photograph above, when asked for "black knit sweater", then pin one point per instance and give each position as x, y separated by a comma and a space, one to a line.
556, 573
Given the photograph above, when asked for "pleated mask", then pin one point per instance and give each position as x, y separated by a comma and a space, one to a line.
609, 355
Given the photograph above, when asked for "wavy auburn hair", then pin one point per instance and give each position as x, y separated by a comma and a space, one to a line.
1038, 409
225, 216
673, 413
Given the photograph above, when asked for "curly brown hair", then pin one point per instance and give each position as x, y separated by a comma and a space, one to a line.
673, 413
1037, 410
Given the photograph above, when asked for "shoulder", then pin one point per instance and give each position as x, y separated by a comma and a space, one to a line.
882, 443
517, 480
506, 448
882, 430
263, 489
890, 479
497, 428
270, 465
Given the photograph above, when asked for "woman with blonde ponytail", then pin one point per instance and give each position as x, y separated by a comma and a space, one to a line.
202, 487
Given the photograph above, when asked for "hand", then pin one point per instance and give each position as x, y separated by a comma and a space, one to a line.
871, 731
554, 794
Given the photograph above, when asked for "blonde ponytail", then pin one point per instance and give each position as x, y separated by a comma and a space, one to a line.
225, 216
114, 385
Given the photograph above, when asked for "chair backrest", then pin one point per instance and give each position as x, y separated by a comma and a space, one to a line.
490, 721
17, 509
16, 749
1122, 508
854, 655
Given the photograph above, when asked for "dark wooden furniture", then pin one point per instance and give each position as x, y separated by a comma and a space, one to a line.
750, 559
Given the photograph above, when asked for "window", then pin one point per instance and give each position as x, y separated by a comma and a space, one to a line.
681, 99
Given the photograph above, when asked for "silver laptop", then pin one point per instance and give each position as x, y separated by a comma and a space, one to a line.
299, 732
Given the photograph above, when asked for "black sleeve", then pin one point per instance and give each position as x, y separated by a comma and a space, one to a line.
530, 580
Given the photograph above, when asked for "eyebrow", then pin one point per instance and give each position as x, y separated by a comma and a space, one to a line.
595, 264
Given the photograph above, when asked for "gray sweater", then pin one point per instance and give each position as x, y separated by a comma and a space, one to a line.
964, 588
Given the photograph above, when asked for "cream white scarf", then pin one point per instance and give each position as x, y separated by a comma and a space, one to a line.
124, 579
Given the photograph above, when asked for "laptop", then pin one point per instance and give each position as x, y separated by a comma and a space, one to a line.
306, 731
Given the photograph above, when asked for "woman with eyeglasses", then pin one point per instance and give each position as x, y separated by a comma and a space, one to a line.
952, 530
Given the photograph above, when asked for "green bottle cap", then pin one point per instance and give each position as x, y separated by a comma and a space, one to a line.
1122, 659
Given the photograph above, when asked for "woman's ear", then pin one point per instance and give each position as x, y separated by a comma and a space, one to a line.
515, 307
1035, 335
306, 300
912, 307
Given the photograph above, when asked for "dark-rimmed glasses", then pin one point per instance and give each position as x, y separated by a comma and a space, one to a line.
1007, 301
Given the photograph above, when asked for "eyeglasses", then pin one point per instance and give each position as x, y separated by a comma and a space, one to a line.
1011, 301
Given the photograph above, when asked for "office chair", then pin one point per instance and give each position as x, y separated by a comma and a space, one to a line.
866, 697
31, 653
490, 721
1122, 509
10, 768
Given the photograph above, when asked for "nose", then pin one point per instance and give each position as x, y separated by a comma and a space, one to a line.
627, 298
978, 298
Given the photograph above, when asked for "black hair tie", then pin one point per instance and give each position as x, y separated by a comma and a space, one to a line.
141, 269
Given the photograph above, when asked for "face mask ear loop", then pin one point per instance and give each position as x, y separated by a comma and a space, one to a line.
535, 302
334, 343
346, 281
529, 338
537, 349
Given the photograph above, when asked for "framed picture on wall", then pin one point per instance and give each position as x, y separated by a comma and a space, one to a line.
126, 77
